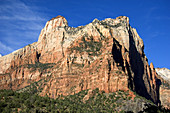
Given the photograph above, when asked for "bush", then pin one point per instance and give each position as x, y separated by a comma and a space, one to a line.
40, 66
90, 46
98, 102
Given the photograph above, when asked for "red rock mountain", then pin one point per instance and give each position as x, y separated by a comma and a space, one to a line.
107, 54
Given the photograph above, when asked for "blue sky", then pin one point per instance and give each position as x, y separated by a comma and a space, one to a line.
22, 20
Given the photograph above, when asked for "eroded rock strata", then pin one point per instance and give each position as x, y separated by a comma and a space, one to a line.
107, 54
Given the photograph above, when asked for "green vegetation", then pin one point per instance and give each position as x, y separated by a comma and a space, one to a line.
40, 66
5, 74
107, 25
166, 85
78, 65
35, 87
11, 101
90, 46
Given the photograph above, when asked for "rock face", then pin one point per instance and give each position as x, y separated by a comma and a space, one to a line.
164, 73
105, 54
164, 76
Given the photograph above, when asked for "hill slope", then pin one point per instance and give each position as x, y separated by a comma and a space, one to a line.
92, 101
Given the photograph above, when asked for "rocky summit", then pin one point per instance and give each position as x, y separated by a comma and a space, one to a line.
106, 54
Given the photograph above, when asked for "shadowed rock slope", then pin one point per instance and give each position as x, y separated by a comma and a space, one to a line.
107, 54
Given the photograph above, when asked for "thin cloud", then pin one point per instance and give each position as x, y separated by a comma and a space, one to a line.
5, 48
161, 18
20, 25
17, 10
148, 15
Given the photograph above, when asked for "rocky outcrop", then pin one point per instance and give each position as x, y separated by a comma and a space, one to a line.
107, 54
164, 97
164, 76
164, 73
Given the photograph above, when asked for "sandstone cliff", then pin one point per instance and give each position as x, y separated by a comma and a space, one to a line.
164, 76
107, 54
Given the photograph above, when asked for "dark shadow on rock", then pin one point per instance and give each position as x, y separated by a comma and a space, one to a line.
117, 54
137, 67
158, 83
129, 112
38, 55
130, 79
154, 109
